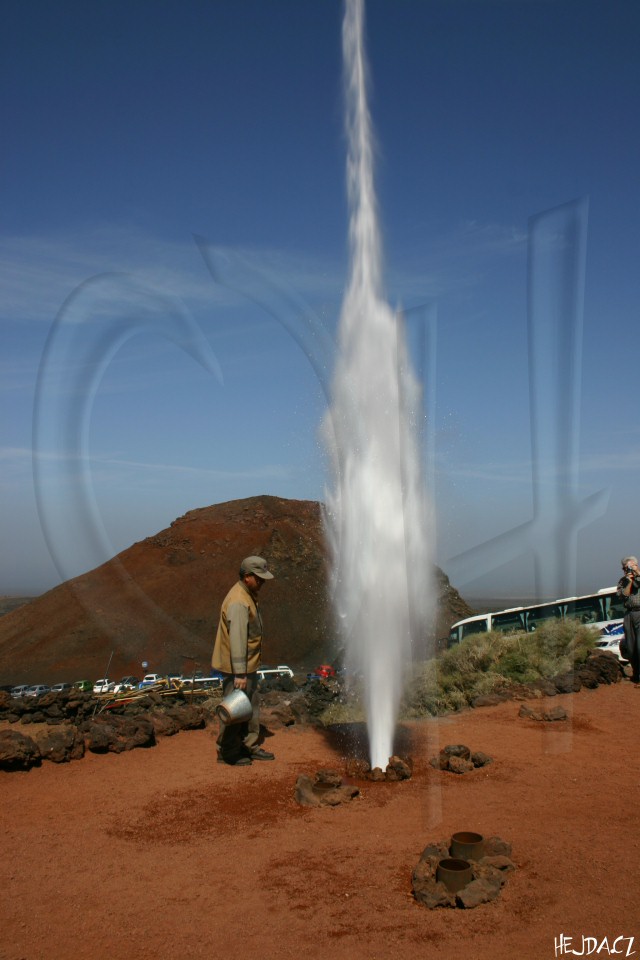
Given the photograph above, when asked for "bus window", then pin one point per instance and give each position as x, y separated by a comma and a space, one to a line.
507, 622
588, 610
614, 607
474, 626
538, 615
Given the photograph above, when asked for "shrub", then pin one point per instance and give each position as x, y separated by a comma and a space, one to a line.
486, 662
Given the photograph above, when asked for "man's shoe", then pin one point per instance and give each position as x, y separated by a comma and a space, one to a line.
262, 755
240, 761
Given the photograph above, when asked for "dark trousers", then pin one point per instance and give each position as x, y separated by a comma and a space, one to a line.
632, 634
237, 738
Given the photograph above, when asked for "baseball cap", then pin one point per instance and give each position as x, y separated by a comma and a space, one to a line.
256, 565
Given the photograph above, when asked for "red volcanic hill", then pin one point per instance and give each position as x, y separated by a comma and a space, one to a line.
158, 601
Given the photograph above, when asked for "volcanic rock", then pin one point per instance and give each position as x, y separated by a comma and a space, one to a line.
456, 750
426, 889
17, 752
489, 699
567, 682
325, 790
477, 892
457, 758
601, 665
490, 873
398, 769
115, 734
458, 765
480, 759
554, 713
61, 744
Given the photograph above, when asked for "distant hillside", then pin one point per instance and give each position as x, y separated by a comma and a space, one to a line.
158, 601
7, 604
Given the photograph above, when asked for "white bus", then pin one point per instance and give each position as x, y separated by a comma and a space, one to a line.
603, 610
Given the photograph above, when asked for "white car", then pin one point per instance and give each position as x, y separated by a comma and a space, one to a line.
201, 683
37, 690
104, 686
20, 691
275, 672
151, 678
126, 684
610, 638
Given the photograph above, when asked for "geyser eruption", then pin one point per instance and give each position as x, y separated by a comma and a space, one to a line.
377, 512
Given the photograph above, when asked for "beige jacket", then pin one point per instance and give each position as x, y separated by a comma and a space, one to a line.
239, 638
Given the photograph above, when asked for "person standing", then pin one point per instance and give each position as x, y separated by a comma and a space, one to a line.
629, 590
236, 654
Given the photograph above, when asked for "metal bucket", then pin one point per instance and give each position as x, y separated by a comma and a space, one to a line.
467, 845
454, 873
235, 707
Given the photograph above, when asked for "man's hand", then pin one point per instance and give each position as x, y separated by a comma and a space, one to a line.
240, 682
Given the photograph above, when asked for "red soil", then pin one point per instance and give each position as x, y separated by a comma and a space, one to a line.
163, 853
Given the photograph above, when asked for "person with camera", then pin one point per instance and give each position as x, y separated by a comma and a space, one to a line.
629, 590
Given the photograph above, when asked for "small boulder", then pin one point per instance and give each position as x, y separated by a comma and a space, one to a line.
530, 714
458, 765
377, 775
17, 751
556, 713
567, 682
489, 699
477, 892
304, 793
326, 790
496, 847
357, 769
398, 769
480, 759
435, 851
328, 778
164, 724
426, 889
61, 744
456, 750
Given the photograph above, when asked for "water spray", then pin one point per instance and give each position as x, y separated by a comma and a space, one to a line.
377, 513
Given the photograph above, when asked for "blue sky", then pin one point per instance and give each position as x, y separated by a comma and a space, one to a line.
149, 145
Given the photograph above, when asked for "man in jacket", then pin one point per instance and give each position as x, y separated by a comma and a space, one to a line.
236, 654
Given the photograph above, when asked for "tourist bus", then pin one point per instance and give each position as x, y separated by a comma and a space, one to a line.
603, 611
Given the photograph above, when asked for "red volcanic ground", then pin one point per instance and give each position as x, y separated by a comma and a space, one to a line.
161, 853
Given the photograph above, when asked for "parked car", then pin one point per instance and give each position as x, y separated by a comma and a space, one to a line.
104, 686
275, 672
202, 683
149, 679
127, 683
20, 690
61, 687
610, 640
85, 686
37, 690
